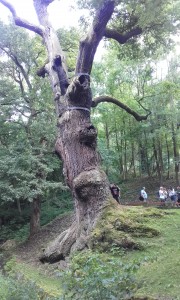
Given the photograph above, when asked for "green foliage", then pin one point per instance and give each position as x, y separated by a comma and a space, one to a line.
29, 168
129, 148
92, 276
60, 204
69, 40
156, 21
20, 289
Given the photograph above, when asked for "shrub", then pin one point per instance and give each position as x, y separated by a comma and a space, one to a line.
93, 276
18, 288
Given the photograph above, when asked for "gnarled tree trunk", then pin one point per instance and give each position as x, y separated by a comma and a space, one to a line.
76, 142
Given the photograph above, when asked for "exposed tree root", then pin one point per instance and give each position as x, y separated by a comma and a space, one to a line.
61, 246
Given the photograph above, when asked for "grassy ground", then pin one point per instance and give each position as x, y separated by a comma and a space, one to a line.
159, 275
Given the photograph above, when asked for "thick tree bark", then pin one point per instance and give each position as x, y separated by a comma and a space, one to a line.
76, 144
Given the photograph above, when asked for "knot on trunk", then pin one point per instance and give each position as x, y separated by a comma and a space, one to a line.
79, 91
89, 184
88, 136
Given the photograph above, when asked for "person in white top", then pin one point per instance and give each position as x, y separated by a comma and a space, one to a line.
162, 196
144, 194
172, 194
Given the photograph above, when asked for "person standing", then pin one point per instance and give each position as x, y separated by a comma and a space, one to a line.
178, 196
143, 195
162, 196
172, 195
115, 191
165, 194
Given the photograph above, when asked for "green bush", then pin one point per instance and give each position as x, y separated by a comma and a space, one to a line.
93, 276
19, 234
20, 289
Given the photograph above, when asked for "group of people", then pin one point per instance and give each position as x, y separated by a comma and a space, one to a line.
174, 196
163, 194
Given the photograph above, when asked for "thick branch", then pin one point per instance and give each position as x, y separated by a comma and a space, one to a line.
122, 38
89, 45
21, 22
100, 99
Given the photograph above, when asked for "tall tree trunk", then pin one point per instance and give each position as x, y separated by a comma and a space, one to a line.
176, 154
158, 167
35, 216
107, 144
19, 206
119, 150
76, 142
146, 153
168, 158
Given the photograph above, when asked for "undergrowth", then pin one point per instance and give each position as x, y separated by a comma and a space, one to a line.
93, 276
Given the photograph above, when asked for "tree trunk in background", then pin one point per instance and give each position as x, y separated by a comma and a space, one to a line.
160, 156
119, 150
35, 216
107, 143
143, 159
19, 206
146, 153
158, 167
176, 154
168, 158
133, 159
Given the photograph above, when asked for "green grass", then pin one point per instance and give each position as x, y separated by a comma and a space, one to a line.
158, 276
160, 273
50, 285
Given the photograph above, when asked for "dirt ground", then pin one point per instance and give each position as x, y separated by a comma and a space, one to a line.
31, 250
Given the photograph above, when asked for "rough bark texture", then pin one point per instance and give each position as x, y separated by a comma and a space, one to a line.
77, 137
76, 144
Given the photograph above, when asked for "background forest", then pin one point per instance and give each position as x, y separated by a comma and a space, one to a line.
33, 192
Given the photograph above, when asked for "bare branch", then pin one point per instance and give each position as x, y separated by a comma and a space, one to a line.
122, 38
21, 22
100, 99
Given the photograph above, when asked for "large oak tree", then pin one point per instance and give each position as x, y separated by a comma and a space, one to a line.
126, 21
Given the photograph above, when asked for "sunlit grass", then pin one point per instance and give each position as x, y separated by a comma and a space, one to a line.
159, 275
50, 285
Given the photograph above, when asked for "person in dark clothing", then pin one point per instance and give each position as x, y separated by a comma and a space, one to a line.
178, 197
115, 191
